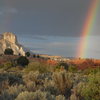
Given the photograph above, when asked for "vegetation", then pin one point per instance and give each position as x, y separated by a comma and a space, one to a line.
23, 61
27, 54
47, 80
34, 56
8, 51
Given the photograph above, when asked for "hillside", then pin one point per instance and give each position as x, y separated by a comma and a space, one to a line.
45, 79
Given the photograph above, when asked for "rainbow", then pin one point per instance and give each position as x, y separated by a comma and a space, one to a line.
87, 28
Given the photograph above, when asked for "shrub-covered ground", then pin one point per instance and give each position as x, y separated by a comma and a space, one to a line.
49, 80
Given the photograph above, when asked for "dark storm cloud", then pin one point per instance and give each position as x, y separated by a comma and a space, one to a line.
45, 17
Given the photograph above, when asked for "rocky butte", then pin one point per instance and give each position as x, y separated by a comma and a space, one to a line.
9, 40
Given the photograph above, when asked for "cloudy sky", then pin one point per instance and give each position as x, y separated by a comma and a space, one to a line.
50, 26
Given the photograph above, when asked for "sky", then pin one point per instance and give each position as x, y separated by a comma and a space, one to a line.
50, 26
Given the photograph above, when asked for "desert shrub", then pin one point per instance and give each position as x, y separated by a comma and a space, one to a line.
34, 55
58, 68
49, 86
15, 79
63, 82
12, 78
25, 96
30, 80
31, 76
77, 78
72, 68
53, 90
1, 66
64, 65
90, 90
12, 92
27, 54
75, 92
34, 80
60, 97
4, 85
36, 66
8, 51
38, 95
74, 97
38, 56
15, 69
23, 61
7, 65
91, 71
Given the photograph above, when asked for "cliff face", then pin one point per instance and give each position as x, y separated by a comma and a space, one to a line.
9, 40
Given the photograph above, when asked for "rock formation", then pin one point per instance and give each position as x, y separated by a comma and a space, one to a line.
9, 40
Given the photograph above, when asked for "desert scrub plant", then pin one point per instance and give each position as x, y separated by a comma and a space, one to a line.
8, 51
32, 80
64, 65
90, 90
49, 86
22, 61
15, 79
75, 92
7, 65
12, 92
4, 85
74, 97
91, 70
72, 68
12, 78
31, 76
38, 95
25, 96
60, 97
52, 90
63, 82
36, 66
16, 69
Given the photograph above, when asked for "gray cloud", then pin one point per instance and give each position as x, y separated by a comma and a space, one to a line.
8, 11
1, 13
48, 17
11, 10
36, 37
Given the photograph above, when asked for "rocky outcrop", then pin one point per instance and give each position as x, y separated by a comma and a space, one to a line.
9, 40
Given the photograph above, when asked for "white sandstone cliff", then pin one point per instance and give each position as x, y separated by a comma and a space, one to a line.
9, 40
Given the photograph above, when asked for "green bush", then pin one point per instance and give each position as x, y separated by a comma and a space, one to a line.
27, 54
36, 66
38, 56
72, 68
64, 65
22, 61
7, 65
34, 55
90, 90
8, 51
91, 70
